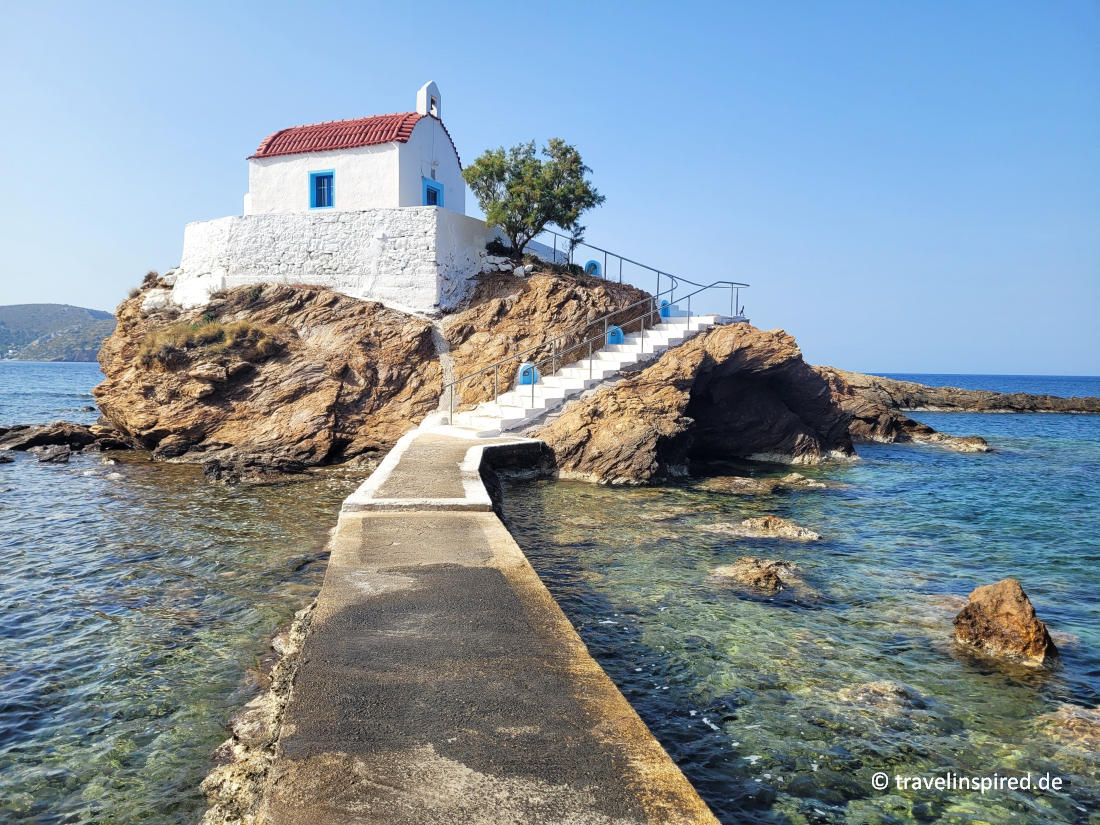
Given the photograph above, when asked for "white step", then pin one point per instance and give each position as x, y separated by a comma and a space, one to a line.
519, 405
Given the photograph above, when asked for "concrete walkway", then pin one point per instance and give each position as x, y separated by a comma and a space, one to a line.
441, 683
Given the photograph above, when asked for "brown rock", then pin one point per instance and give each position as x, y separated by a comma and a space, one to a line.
1074, 726
508, 314
801, 481
324, 377
875, 406
746, 486
764, 527
172, 446
884, 695
252, 725
208, 371
197, 389
999, 620
732, 392
765, 575
891, 394
234, 467
739, 485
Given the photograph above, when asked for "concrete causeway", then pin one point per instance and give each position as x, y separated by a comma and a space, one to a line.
440, 682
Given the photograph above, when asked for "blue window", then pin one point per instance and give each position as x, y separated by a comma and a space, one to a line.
322, 191
433, 192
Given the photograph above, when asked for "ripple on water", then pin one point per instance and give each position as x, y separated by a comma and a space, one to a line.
780, 712
136, 596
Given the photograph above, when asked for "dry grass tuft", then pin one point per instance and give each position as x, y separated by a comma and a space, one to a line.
172, 346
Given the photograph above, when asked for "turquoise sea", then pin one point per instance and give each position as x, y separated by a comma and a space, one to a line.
136, 600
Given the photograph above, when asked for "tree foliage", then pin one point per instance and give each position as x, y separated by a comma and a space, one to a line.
522, 193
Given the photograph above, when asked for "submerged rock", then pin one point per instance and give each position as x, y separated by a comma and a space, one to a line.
885, 695
1073, 726
799, 480
5, 458
234, 468
999, 620
748, 486
764, 527
764, 575
739, 485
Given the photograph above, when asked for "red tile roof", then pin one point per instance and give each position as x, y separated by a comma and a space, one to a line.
343, 134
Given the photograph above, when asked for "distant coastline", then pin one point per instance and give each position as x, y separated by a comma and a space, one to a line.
52, 332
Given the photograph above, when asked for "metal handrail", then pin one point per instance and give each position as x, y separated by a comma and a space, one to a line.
570, 244
653, 310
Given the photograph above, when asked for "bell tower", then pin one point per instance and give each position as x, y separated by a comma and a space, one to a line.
428, 100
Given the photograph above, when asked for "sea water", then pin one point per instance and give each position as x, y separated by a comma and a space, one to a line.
137, 598
758, 700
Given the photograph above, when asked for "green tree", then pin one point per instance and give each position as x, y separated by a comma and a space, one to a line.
521, 193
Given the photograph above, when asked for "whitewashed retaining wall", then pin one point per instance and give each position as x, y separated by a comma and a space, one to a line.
418, 258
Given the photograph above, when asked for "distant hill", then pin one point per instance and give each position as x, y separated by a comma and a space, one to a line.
52, 332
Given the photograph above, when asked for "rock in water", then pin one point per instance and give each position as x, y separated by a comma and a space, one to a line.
739, 485
733, 392
764, 527
999, 620
5, 458
889, 696
74, 436
799, 480
234, 468
54, 455
876, 415
765, 575
1074, 726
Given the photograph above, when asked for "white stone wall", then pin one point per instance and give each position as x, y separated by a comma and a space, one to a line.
419, 259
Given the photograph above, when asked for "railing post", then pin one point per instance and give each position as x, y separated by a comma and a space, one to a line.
496, 383
555, 234
605, 263
620, 269
589, 359
451, 405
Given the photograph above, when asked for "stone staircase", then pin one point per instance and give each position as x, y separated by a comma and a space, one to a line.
524, 405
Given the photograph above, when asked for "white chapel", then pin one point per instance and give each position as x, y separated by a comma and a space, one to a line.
373, 207
378, 162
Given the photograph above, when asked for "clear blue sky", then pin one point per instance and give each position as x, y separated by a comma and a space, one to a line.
908, 186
